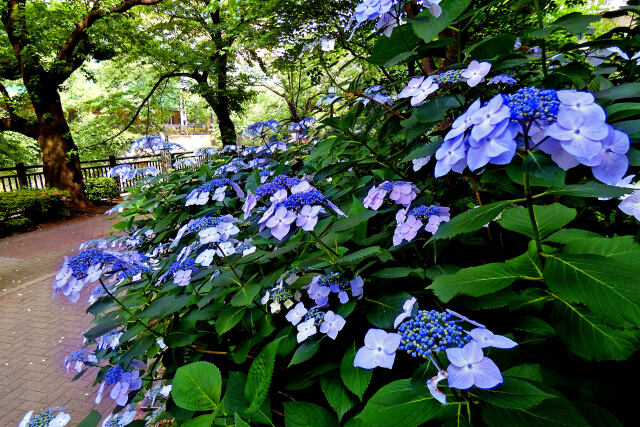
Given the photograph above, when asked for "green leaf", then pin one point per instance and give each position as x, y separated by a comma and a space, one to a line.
304, 414
622, 110
589, 338
197, 386
427, 27
305, 351
486, 279
551, 412
361, 255
398, 272
529, 371
355, 379
91, 420
389, 51
590, 189
165, 305
385, 309
567, 235
239, 421
622, 248
337, 396
514, 394
245, 295
352, 221
606, 285
259, 376
435, 109
471, 220
399, 404
492, 47
548, 219
201, 421
574, 23
228, 319
622, 91
630, 127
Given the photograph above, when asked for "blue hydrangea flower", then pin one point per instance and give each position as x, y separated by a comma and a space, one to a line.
448, 77
379, 350
184, 162
630, 205
401, 192
120, 420
409, 222
124, 172
469, 367
376, 92
475, 72
122, 382
80, 357
332, 323
323, 285
429, 332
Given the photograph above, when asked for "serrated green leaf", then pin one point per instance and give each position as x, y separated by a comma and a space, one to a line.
304, 414
469, 221
197, 386
389, 51
606, 285
337, 396
245, 295
398, 272
228, 319
590, 189
400, 404
305, 351
485, 279
548, 219
259, 376
589, 338
355, 379
514, 394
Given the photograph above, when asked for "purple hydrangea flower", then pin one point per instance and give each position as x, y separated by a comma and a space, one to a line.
469, 367
375, 198
420, 162
412, 88
407, 230
583, 103
407, 309
280, 222
379, 350
356, 286
612, 162
110, 340
427, 87
308, 217
452, 155
332, 324
488, 117
182, 277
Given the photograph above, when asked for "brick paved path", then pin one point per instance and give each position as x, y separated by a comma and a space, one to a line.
37, 332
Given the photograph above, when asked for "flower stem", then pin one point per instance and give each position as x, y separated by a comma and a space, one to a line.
129, 312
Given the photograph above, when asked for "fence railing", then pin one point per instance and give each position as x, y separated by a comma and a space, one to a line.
22, 176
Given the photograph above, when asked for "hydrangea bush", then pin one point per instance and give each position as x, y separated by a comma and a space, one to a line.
458, 248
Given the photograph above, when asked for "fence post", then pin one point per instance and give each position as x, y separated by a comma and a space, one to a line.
21, 171
112, 161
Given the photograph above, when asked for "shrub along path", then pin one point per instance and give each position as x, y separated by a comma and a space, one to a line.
38, 332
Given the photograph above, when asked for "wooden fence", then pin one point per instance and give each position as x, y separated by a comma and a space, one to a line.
22, 176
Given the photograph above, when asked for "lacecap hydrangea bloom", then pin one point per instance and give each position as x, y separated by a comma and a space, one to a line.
79, 358
566, 124
260, 129
423, 333
214, 190
46, 418
400, 192
121, 382
293, 202
410, 222
322, 286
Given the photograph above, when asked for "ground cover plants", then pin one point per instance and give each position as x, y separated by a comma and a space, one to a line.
453, 243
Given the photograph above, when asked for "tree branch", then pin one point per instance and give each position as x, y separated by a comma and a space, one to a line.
66, 52
144, 101
14, 122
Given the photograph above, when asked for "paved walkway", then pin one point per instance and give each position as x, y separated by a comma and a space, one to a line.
38, 332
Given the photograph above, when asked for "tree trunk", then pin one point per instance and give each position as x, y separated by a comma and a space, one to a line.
61, 163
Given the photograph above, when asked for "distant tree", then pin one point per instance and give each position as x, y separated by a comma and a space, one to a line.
43, 43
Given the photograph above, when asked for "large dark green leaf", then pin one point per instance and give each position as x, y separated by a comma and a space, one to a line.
385, 309
604, 284
197, 386
427, 26
548, 219
228, 319
492, 47
486, 279
589, 338
574, 23
590, 189
551, 412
